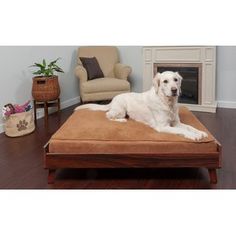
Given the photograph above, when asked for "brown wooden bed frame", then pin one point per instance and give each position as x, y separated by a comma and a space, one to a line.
211, 161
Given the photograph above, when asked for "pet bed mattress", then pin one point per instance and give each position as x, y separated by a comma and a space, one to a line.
90, 132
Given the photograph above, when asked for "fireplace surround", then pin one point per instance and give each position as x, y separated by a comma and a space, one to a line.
195, 64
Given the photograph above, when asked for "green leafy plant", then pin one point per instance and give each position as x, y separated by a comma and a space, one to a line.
47, 70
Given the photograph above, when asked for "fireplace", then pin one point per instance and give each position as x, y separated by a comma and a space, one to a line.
196, 64
191, 83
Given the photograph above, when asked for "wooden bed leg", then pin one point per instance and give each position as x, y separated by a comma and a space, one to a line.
213, 176
51, 176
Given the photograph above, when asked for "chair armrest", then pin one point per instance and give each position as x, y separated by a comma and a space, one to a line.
122, 71
81, 73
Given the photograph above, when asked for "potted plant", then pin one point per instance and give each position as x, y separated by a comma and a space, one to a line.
45, 85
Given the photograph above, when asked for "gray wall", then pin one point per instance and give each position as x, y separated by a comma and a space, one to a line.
16, 76
132, 55
226, 75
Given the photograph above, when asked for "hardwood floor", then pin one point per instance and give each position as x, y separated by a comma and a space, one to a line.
21, 162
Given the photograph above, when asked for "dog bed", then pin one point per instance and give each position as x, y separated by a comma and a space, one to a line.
89, 140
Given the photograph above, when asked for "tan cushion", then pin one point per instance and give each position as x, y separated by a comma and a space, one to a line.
107, 57
90, 132
105, 85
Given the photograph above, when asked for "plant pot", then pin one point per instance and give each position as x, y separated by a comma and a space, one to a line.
45, 88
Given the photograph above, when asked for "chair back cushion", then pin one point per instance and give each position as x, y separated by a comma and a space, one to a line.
107, 57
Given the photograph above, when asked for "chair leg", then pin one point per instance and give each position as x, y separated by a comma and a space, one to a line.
213, 176
51, 176
81, 101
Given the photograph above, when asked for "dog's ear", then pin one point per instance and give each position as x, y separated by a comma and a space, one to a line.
180, 79
156, 81
179, 76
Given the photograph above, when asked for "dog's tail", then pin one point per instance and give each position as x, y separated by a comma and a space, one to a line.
94, 107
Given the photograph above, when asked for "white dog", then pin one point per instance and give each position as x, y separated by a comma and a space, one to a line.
156, 108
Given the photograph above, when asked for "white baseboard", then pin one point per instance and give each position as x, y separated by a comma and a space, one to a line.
73, 101
226, 104
202, 108
1, 128
40, 112
70, 102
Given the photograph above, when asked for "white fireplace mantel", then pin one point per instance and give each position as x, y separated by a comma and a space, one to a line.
192, 54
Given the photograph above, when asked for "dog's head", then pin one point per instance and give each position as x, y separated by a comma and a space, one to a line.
168, 83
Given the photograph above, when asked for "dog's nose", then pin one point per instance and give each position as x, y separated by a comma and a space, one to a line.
174, 90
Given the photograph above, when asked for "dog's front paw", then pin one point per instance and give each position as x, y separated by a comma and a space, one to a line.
200, 135
190, 135
196, 136
203, 134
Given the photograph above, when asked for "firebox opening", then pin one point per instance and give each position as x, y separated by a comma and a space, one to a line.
191, 74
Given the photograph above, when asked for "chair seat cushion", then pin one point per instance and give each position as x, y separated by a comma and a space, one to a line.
90, 132
105, 85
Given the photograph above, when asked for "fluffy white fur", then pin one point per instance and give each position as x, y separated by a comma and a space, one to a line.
157, 107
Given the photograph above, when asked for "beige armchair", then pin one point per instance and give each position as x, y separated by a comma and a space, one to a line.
115, 74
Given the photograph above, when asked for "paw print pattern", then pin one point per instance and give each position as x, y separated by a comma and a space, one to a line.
22, 125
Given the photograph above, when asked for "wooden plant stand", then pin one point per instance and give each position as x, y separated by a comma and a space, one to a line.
45, 105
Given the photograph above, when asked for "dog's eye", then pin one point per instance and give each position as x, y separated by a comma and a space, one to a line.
175, 79
165, 81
